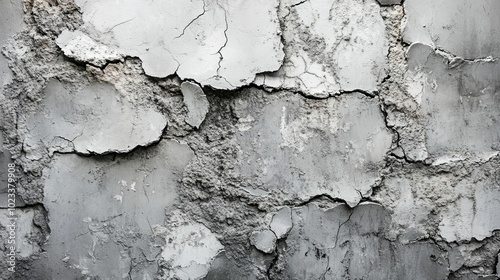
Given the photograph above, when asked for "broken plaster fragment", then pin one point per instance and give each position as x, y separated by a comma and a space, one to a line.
189, 251
77, 45
264, 240
93, 120
223, 44
196, 103
281, 223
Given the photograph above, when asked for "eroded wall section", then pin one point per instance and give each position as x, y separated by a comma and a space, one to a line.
283, 139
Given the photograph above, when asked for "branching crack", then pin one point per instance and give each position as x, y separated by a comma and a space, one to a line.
340, 226
192, 21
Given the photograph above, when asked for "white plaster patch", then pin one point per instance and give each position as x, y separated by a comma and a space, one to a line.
189, 251
218, 43
96, 119
196, 103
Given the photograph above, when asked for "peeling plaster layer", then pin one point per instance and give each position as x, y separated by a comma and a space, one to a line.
92, 120
82, 48
476, 211
196, 103
331, 46
104, 212
343, 243
462, 204
281, 223
458, 100
264, 240
334, 147
217, 43
328, 108
189, 251
468, 29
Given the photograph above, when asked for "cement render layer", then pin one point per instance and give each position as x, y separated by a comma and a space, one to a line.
284, 139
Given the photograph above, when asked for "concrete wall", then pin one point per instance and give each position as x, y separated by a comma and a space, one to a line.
251, 139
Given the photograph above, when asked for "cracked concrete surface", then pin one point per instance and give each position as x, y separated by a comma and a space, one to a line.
330, 241
330, 47
221, 34
283, 139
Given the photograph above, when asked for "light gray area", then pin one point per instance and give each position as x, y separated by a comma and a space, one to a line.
281, 224
264, 240
334, 147
92, 120
340, 243
468, 29
11, 22
24, 229
104, 212
287, 120
196, 103
331, 46
476, 211
459, 101
189, 251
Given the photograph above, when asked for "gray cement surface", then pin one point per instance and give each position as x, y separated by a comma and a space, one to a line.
283, 139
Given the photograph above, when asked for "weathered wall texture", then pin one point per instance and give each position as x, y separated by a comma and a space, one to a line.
251, 139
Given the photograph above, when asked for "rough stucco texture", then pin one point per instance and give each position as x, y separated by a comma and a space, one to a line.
283, 139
